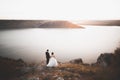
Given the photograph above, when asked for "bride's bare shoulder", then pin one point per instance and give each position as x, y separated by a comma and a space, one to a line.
52, 55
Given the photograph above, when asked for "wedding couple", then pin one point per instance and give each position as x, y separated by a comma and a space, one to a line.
51, 60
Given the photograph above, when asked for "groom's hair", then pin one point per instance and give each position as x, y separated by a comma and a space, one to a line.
47, 49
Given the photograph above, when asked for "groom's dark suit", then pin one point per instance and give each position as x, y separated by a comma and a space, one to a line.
47, 57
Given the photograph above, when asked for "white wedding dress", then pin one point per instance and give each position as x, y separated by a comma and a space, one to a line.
52, 62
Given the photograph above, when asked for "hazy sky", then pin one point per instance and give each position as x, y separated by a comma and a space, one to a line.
60, 9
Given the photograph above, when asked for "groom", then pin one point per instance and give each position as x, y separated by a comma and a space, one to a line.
47, 56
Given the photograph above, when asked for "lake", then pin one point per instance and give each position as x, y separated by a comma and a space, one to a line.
67, 44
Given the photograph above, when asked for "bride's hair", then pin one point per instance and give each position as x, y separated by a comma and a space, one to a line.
52, 53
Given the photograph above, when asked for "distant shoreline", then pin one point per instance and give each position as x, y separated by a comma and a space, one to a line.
18, 24
99, 22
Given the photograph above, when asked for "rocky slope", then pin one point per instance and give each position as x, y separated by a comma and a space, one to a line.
11, 69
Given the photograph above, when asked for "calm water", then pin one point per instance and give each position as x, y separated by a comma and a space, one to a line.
67, 44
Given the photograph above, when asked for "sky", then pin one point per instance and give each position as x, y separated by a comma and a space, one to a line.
60, 9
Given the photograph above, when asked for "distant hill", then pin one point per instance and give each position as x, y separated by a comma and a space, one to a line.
100, 22
59, 24
18, 24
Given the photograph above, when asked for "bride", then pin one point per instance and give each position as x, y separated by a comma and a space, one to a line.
52, 61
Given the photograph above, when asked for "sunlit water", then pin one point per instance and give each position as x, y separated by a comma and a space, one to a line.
67, 44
